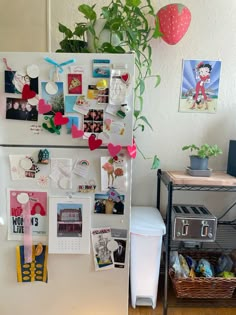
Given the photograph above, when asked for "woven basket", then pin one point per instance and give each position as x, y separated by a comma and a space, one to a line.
200, 287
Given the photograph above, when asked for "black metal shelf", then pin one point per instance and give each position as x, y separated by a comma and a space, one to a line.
225, 241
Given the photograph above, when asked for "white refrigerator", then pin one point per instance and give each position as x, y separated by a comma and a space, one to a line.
65, 138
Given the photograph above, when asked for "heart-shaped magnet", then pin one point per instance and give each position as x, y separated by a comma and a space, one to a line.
60, 120
76, 133
94, 143
27, 92
43, 107
114, 149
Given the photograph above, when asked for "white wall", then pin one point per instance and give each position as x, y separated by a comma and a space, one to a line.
210, 36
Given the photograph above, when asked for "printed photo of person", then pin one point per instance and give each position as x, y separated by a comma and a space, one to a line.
15, 81
20, 109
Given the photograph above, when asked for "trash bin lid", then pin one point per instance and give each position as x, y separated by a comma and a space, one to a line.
147, 221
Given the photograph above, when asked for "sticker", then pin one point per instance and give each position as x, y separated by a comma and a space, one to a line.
33, 101
26, 163
81, 168
51, 88
22, 198
112, 245
64, 183
101, 68
33, 71
101, 84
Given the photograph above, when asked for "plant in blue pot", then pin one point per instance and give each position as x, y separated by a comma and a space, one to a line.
199, 155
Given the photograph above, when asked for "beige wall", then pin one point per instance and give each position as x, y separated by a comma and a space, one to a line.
23, 25
210, 36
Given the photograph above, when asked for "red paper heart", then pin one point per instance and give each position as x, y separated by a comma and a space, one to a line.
94, 143
174, 20
27, 93
132, 150
114, 149
125, 77
60, 120
76, 133
44, 107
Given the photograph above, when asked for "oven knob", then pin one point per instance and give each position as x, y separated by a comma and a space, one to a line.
178, 233
210, 235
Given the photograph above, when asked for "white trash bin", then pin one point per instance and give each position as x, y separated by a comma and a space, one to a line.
146, 232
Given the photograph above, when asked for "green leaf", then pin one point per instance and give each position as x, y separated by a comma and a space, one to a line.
88, 12
158, 80
136, 113
63, 29
143, 118
141, 126
133, 3
141, 87
155, 163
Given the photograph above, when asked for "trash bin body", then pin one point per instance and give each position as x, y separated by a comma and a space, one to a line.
146, 232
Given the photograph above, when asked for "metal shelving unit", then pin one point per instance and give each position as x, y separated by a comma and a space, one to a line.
226, 232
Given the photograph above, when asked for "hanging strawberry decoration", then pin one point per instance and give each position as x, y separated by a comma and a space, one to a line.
174, 20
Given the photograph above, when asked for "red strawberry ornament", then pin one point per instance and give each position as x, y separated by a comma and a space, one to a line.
174, 20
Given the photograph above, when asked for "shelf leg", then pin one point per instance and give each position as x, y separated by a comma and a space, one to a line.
167, 247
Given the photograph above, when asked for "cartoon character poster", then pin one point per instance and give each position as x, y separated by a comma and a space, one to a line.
38, 208
200, 86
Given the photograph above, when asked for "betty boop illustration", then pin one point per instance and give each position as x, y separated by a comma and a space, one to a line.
203, 71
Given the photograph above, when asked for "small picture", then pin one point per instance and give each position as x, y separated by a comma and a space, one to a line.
20, 109
103, 258
73, 120
69, 225
92, 93
103, 96
15, 81
74, 83
101, 68
93, 121
69, 220
119, 253
113, 173
200, 86
52, 93
106, 205
81, 105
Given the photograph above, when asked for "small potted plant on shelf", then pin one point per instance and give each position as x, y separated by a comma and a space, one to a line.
120, 27
200, 155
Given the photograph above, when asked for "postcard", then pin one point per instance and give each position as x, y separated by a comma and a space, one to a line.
69, 225
103, 256
39, 214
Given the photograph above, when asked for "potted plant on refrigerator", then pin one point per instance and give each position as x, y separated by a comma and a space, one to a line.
200, 155
120, 27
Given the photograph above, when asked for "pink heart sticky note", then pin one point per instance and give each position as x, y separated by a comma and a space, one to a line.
114, 149
60, 120
27, 93
132, 150
43, 107
94, 143
76, 133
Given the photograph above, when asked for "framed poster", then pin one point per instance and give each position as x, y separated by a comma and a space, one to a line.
39, 214
69, 225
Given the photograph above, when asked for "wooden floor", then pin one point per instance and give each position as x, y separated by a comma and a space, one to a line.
146, 310
173, 309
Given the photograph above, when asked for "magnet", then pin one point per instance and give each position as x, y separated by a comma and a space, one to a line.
33, 71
